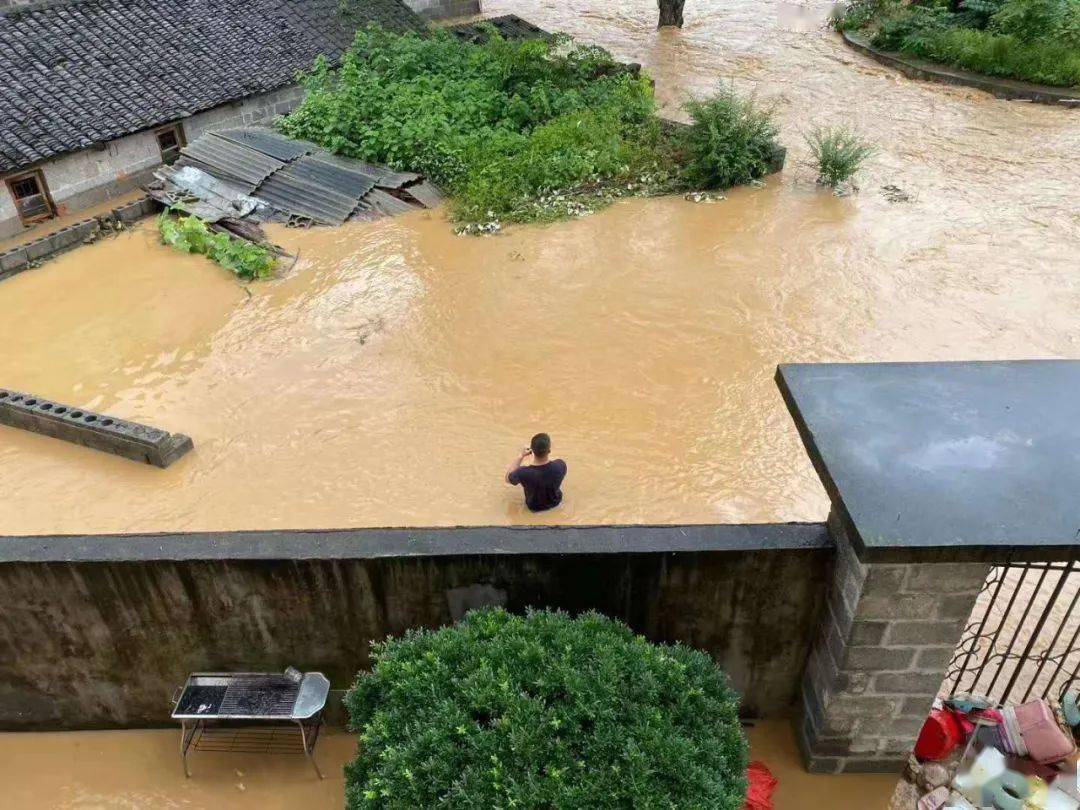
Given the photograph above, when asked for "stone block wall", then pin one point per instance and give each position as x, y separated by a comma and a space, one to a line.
444, 9
887, 636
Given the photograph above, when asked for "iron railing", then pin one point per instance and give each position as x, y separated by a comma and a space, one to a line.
1022, 638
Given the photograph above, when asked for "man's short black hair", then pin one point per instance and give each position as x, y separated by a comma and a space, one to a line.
540, 444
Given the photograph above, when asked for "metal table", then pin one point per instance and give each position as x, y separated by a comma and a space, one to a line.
251, 712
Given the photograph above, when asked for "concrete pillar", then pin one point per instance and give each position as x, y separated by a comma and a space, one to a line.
888, 634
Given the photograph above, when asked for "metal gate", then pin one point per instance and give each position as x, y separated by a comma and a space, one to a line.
1021, 641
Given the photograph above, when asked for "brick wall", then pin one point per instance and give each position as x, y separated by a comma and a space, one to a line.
887, 636
442, 9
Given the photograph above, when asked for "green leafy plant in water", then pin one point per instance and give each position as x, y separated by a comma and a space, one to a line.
192, 235
543, 711
839, 153
731, 140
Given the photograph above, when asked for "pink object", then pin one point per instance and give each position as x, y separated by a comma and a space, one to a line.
935, 799
1043, 738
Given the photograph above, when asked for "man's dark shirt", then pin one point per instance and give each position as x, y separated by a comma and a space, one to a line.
541, 483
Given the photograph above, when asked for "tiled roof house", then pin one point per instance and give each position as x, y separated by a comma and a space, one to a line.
96, 93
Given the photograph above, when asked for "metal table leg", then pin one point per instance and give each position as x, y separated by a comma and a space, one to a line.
309, 747
185, 743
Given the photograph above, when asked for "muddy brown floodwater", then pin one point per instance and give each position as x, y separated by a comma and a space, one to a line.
140, 770
390, 377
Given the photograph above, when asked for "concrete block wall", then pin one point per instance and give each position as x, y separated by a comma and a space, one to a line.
887, 636
28, 255
92, 176
98, 631
444, 9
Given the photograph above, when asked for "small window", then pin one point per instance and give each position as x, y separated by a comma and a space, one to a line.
170, 140
31, 197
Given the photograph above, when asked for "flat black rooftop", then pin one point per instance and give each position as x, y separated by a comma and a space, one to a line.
979, 457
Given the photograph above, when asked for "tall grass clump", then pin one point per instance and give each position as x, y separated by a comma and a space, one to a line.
513, 130
731, 140
839, 153
543, 711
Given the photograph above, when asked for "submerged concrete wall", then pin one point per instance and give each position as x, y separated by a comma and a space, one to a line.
98, 631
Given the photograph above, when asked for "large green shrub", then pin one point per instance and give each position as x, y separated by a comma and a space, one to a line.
543, 711
514, 131
498, 124
731, 140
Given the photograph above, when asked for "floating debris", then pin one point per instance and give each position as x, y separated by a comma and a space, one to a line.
705, 197
895, 194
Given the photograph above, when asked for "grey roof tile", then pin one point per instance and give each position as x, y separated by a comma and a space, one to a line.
86, 71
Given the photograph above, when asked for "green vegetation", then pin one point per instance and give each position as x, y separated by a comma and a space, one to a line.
192, 235
839, 153
514, 131
1033, 40
731, 141
543, 711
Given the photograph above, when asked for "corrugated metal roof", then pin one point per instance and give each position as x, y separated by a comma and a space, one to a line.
385, 177
334, 177
227, 159
269, 142
387, 203
424, 193
242, 186
295, 194
300, 179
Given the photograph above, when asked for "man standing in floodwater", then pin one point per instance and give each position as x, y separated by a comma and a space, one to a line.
541, 479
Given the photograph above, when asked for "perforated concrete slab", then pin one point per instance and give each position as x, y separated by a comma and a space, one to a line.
983, 457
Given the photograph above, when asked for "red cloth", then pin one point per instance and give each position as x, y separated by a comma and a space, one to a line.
762, 784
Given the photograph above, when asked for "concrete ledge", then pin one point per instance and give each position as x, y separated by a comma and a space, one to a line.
910, 482
96, 431
369, 544
1012, 89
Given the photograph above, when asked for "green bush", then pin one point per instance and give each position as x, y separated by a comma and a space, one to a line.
839, 152
543, 711
192, 235
998, 55
1035, 21
1033, 40
514, 131
731, 140
498, 124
